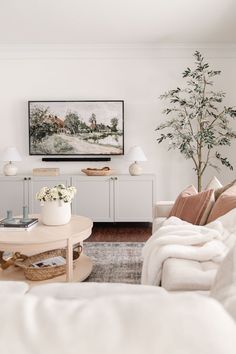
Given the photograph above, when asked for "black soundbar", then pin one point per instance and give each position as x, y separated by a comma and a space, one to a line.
71, 159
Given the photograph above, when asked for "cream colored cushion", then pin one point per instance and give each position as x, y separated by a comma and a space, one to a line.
154, 322
214, 184
222, 189
225, 203
89, 291
183, 274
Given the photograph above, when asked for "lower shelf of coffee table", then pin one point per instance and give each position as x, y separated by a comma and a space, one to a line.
82, 269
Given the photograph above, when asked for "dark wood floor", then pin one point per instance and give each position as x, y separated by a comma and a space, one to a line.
120, 232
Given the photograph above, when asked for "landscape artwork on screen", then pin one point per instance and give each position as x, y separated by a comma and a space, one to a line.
76, 127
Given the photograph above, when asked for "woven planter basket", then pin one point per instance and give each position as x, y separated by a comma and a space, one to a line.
44, 273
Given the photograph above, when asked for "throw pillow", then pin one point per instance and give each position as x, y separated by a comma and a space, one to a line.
191, 206
222, 189
208, 207
213, 184
225, 202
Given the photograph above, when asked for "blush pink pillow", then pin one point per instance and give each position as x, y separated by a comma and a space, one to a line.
191, 206
225, 203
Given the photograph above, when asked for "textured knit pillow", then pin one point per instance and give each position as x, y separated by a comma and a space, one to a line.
190, 205
225, 202
214, 184
221, 190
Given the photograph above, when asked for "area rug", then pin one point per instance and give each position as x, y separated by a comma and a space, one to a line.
115, 262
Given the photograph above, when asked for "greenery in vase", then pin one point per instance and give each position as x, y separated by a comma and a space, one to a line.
59, 192
196, 125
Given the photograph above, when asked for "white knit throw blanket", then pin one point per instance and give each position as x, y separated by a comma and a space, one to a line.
179, 239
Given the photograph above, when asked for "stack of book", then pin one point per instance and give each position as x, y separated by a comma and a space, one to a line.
17, 224
46, 172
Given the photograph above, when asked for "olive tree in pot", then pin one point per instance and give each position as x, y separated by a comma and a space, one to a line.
195, 124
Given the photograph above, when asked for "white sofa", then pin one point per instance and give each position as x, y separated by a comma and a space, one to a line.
175, 269
95, 318
112, 318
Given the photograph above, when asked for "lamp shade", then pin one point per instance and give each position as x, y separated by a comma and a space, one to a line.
136, 153
11, 154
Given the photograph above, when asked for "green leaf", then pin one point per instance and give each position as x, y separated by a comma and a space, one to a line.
224, 161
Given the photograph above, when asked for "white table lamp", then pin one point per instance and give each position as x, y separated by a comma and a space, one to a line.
136, 154
10, 154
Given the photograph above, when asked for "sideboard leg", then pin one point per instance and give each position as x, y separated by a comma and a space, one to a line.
69, 261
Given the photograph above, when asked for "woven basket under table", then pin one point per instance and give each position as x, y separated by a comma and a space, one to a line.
45, 273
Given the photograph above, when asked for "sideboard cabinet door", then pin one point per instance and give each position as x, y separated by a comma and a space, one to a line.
13, 195
36, 183
134, 198
94, 197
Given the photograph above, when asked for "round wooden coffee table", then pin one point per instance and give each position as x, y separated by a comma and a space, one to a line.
44, 238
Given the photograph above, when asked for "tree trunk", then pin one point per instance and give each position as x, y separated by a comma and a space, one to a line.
199, 170
199, 183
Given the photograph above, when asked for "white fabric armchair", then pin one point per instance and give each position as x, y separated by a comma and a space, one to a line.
182, 274
161, 211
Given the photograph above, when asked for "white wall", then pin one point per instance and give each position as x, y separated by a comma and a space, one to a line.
136, 75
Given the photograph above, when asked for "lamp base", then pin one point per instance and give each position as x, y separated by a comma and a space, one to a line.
9, 169
135, 169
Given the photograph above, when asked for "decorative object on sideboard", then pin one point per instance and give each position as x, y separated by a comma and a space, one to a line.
104, 171
10, 154
76, 127
136, 154
46, 172
56, 204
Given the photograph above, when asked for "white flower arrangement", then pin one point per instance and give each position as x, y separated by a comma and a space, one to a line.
59, 192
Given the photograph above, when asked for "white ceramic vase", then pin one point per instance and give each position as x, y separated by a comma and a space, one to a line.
55, 213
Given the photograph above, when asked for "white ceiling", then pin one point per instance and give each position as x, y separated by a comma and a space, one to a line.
29, 22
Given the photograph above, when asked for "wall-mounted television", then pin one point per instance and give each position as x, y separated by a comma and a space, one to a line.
76, 127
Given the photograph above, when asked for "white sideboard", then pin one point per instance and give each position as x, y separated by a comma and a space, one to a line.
117, 198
